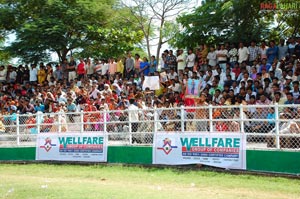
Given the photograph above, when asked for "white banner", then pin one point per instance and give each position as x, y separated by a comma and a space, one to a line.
152, 82
225, 150
90, 147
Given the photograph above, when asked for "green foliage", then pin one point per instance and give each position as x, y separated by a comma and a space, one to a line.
220, 21
61, 26
110, 42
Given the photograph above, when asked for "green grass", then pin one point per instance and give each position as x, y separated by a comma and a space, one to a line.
75, 181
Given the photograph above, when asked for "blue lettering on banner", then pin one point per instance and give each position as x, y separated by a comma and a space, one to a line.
220, 155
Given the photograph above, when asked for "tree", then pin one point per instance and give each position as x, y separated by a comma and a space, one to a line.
55, 25
155, 16
222, 21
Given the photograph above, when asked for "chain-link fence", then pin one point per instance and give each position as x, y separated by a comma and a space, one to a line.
266, 126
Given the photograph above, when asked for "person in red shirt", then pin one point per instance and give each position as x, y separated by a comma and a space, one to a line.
81, 69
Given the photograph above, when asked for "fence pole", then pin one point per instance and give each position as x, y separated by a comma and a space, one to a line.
18, 128
242, 118
130, 129
105, 122
38, 121
59, 121
155, 120
81, 122
277, 126
211, 126
182, 119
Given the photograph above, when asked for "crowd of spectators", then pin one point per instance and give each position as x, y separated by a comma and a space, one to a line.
252, 73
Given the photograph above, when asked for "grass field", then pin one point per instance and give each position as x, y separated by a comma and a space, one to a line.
75, 181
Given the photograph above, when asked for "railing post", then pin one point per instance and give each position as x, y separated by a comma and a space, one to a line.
277, 126
38, 121
155, 120
81, 122
182, 118
105, 121
130, 129
211, 126
18, 128
242, 118
59, 121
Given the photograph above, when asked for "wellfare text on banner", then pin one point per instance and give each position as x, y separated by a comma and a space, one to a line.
90, 147
224, 150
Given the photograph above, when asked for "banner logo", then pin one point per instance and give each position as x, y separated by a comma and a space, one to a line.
48, 145
167, 146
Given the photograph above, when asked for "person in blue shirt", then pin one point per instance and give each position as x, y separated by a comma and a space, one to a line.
272, 52
153, 64
39, 106
271, 119
145, 67
290, 99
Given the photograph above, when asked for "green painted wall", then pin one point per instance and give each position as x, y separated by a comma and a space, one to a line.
266, 161
274, 161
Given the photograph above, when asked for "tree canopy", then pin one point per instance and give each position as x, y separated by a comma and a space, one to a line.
61, 26
233, 21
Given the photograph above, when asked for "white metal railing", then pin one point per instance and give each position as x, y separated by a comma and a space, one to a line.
266, 126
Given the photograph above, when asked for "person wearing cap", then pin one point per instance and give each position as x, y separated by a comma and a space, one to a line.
93, 93
288, 81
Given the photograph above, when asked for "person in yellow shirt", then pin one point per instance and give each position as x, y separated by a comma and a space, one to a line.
120, 66
42, 75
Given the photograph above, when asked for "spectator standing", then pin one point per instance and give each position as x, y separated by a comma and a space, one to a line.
190, 60
137, 63
41, 75
12, 75
263, 50
72, 69
180, 61
153, 65
89, 68
81, 71
58, 74
282, 50
33, 74
272, 52
222, 57
212, 57
112, 66
253, 52
243, 53
171, 61
120, 66
144, 67
291, 46
129, 66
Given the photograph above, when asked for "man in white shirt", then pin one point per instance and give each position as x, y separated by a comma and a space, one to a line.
222, 57
12, 75
33, 74
190, 60
2, 74
133, 116
180, 60
243, 53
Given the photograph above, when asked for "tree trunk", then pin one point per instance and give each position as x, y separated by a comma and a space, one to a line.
159, 40
148, 47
